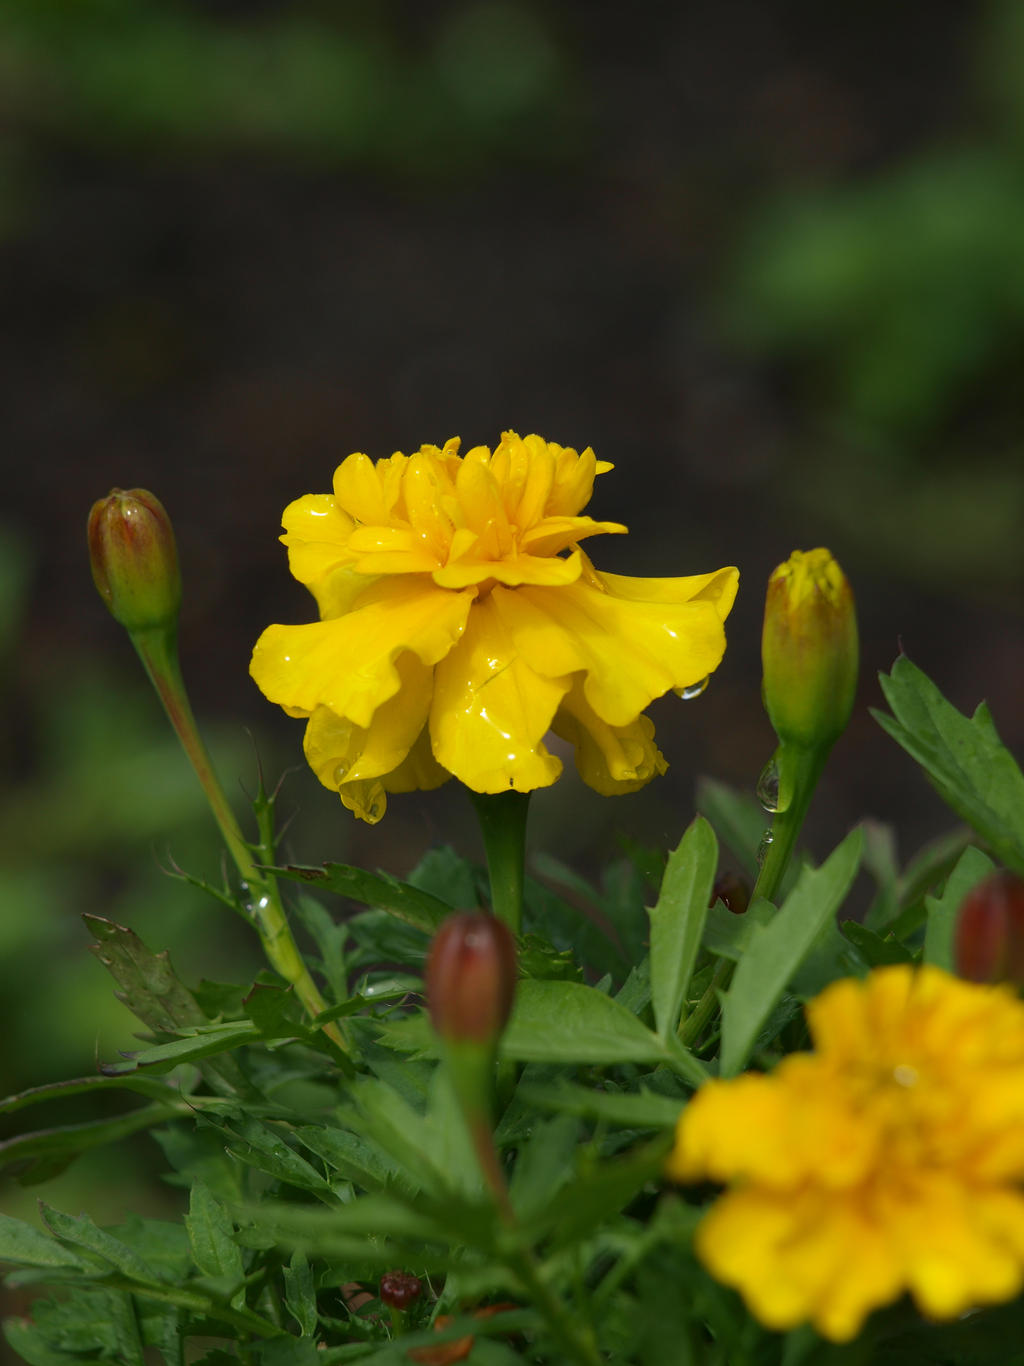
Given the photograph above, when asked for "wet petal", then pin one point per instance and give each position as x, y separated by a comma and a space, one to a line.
630, 652
348, 664
491, 711
610, 759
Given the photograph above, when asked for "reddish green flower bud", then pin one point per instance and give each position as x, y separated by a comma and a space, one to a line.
471, 978
134, 559
398, 1289
809, 650
989, 938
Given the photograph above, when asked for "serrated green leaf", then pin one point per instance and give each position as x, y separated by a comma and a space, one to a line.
569, 1022
964, 758
300, 1293
146, 982
599, 1190
198, 1043
350, 1156
776, 950
260, 1146
82, 1232
274, 1010
677, 921
211, 1236
330, 938
24, 1245
380, 890
940, 927
445, 874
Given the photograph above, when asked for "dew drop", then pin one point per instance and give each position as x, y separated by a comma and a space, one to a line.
694, 689
767, 840
768, 787
340, 773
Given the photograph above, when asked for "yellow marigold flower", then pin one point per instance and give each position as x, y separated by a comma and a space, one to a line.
890, 1159
460, 622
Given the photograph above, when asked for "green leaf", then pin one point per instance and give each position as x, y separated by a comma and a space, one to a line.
600, 1190
82, 1232
777, 949
544, 1164
300, 1294
330, 938
875, 949
353, 1158
198, 1043
971, 868
444, 874
62, 1090
627, 1109
966, 761
677, 921
380, 890
27, 1246
146, 982
30, 1345
570, 1022
211, 1236
42, 1155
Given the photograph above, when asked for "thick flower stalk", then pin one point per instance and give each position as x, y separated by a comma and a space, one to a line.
891, 1159
461, 623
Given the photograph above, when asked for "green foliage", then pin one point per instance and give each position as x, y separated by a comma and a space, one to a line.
963, 757
305, 1172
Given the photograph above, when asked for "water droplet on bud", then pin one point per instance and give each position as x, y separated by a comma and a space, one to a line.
768, 787
694, 689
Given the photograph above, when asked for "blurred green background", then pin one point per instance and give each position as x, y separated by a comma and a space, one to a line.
769, 259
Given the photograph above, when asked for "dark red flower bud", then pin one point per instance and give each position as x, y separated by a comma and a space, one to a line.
134, 559
471, 978
400, 1288
989, 942
733, 891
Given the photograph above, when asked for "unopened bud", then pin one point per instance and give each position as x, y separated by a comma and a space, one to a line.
989, 937
471, 978
399, 1289
809, 649
134, 559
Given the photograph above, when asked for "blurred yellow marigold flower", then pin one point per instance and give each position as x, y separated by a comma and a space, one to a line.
890, 1159
460, 622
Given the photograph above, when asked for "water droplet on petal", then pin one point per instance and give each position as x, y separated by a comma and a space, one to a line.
767, 840
768, 787
340, 773
693, 690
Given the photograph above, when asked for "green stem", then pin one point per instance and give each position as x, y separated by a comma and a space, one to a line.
800, 770
158, 650
502, 819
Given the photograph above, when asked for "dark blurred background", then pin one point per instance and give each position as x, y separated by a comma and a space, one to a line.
767, 258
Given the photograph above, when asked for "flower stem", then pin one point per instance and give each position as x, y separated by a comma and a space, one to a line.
502, 819
158, 651
802, 770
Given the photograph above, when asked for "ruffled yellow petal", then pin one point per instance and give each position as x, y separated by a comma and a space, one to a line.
317, 532
491, 711
419, 771
468, 568
339, 751
555, 534
718, 587
630, 652
611, 759
348, 664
